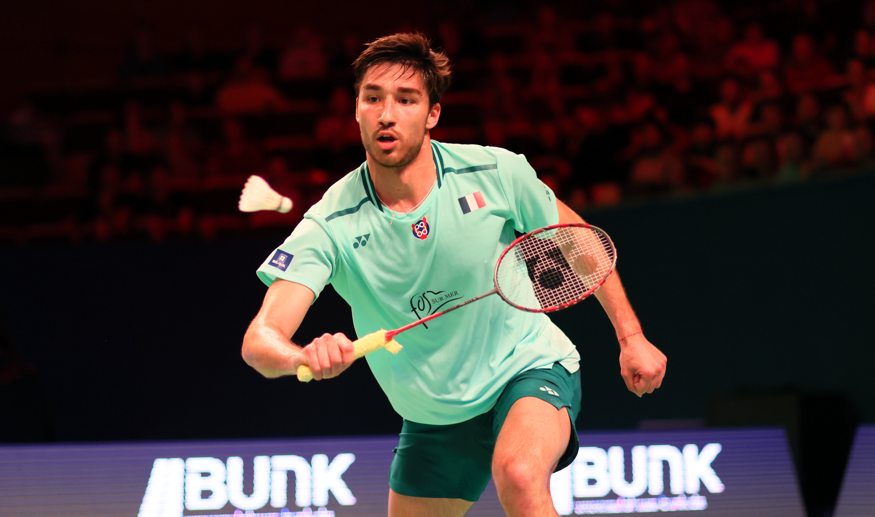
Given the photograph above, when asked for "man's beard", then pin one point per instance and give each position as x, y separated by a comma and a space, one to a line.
394, 160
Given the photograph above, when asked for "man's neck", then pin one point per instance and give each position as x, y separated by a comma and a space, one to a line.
404, 189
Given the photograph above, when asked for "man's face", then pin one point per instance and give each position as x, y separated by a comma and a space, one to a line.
393, 113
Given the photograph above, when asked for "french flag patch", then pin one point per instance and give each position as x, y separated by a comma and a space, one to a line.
471, 202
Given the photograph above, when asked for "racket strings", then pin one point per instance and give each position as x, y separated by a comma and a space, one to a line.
555, 268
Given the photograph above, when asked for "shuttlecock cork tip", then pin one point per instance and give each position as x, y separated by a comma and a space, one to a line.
258, 195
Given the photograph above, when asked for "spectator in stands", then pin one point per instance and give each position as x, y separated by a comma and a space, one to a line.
335, 129
139, 140
726, 160
806, 69
670, 61
792, 163
768, 88
862, 48
758, 160
304, 57
859, 92
30, 148
655, 166
261, 56
140, 59
808, 121
551, 157
548, 32
731, 114
249, 91
769, 121
236, 154
545, 87
183, 146
699, 160
754, 54
197, 94
837, 145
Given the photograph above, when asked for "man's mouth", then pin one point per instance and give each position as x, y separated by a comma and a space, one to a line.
386, 141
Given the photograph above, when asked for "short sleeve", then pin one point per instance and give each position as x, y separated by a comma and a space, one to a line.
308, 257
532, 203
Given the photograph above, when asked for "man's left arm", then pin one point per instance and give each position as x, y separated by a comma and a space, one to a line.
642, 365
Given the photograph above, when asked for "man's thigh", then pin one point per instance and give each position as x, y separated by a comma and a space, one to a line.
406, 506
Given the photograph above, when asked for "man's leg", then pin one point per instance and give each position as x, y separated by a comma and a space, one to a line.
532, 439
407, 506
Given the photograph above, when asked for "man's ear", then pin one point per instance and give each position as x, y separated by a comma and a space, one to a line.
357, 117
433, 116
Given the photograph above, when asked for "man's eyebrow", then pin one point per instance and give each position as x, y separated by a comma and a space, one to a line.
405, 89
401, 89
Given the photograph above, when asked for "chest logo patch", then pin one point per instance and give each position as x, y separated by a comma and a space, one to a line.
420, 229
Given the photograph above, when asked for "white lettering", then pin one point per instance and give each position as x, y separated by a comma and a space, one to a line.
327, 478
205, 475
672, 456
596, 473
163, 497
279, 481
697, 467
590, 473
260, 485
617, 463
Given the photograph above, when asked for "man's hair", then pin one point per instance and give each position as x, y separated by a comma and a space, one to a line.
412, 51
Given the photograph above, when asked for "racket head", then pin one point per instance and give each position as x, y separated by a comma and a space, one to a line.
554, 267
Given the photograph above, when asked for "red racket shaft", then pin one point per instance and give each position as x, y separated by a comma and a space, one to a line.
392, 333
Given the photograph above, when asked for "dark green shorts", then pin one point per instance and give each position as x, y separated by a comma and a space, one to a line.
455, 461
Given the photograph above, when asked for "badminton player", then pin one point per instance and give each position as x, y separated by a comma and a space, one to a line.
487, 390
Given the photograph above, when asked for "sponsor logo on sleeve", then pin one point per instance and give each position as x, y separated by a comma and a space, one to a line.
281, 260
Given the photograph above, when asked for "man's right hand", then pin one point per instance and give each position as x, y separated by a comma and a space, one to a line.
328, 355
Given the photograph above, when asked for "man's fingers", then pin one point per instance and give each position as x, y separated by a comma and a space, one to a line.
313, 362
347, 349
629, 379
336, 358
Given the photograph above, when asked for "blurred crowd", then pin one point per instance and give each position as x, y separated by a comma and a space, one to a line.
613, 101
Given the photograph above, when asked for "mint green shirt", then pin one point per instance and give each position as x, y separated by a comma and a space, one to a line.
394, 268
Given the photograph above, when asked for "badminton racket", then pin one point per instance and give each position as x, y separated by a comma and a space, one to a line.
545, 270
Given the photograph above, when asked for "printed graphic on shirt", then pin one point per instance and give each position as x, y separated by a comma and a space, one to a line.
471, 202
420, 229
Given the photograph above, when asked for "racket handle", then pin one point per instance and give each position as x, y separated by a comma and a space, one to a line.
361, 347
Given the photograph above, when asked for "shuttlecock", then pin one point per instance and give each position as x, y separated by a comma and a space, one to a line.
258, 195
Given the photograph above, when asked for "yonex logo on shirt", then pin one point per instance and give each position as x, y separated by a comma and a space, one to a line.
549, 390
361, 240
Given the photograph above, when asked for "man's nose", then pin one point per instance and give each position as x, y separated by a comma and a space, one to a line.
387, 115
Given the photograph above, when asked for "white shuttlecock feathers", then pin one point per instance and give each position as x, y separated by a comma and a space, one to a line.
257, 195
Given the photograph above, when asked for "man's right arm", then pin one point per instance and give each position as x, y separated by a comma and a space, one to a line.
267, 345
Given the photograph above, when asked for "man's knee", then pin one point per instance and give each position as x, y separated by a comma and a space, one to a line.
518, 474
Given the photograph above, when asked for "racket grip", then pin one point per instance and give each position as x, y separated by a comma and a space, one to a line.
362, 346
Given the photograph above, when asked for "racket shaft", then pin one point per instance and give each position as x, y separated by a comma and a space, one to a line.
392, 333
